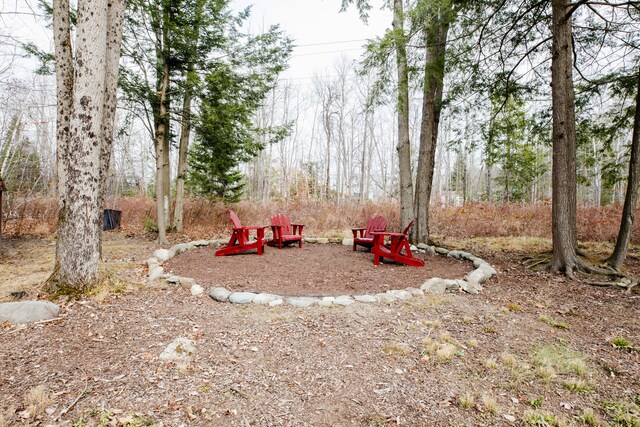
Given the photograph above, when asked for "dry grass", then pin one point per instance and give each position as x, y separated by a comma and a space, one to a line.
444, 349
490, 404
37, 400
467, 400
528, 227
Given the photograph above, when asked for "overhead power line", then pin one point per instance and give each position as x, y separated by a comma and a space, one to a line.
328, 43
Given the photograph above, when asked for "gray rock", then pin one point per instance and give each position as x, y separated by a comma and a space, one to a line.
322, 240
242, 297
415, 292
156, 273
477, 276
303, 302
431, 250
152, 266
179, 350
152, 260
400, 294
435, 286
218, 242
190, 246
469, 288
335, 239
28, 311
198, 243
179, 248
384, 298
466, 256
487, 269
197, 290
344, 300
441, 251
347, 241
276, 303
326, 302
328, 299
456, 285
265, 298
173, 279
365, 298
310, 239
455, 254
413, 248
422, 246
187, 282
162, 255
220, 294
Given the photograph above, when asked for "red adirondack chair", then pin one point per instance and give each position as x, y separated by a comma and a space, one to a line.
284, 232
363, 236
393, 252
240, 240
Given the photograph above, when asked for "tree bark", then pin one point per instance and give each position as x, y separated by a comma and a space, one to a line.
86, 111
628, 211
161, 136
435, 39
404, 144
564, 203
115, 13
64, 88
161, 123
185, 133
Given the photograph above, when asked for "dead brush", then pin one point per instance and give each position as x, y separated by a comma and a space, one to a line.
38, 216
37, 400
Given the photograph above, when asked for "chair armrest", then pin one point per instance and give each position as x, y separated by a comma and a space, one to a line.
255, 227
297, 229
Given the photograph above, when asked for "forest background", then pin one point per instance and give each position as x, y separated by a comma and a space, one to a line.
324, 146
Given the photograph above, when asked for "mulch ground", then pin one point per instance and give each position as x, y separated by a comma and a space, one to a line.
325, 366
314, 269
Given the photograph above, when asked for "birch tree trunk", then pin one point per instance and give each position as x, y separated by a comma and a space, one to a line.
564, 178
86, 112
628, 211
404, 144
435, 41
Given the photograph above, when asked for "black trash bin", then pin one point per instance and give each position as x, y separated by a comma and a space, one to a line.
111, 219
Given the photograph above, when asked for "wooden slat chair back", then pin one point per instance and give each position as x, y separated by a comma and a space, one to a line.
240, 240
363, 236
284, 232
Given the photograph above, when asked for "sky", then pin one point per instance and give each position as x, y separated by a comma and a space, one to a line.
320, 31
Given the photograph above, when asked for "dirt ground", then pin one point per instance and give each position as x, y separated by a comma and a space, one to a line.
314, 269
532, 349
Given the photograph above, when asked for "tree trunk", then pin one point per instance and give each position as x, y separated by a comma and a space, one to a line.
115, 13
161, 136
435, 41
185, 133
564, 203
86, 112
404, 144
628, 211
64, 89
182, 162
